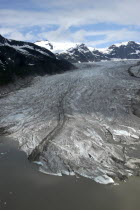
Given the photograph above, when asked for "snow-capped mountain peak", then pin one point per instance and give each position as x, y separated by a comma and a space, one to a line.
120, 44
128, 43
82, 53
56, 47
79, 47
76, 52
45, 44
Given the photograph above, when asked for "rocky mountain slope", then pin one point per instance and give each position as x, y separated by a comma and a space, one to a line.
83, 122
19, 59
81, 53
128, 50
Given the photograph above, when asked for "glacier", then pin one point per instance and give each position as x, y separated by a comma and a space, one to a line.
84, 122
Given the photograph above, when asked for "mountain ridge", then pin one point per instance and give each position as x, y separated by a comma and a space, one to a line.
81, 53
21, 59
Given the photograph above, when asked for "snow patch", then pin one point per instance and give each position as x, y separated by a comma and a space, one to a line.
104, 179
38, 163
58, 47
49, 173
125, 133
136, 52
121, 43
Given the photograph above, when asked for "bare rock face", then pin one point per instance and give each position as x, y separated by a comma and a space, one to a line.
129, 50
84, 122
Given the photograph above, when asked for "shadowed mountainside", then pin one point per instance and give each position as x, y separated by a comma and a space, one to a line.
21, 59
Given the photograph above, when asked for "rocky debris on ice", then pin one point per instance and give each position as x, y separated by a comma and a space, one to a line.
85, 122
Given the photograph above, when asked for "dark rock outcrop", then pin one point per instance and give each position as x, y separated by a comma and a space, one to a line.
129, 51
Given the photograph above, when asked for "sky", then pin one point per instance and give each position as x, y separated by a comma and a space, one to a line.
97, 23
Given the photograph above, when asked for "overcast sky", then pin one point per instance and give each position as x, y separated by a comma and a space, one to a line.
97, 23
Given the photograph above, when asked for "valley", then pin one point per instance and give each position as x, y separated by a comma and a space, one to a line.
83, 122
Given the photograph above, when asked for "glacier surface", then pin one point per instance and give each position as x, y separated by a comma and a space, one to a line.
83, 122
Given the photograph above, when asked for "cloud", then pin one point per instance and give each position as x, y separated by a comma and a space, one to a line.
66, 14
63, 34
115, 37
20, 36
84, 12
12, 33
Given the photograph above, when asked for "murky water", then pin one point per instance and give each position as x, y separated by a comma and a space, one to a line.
22, 187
